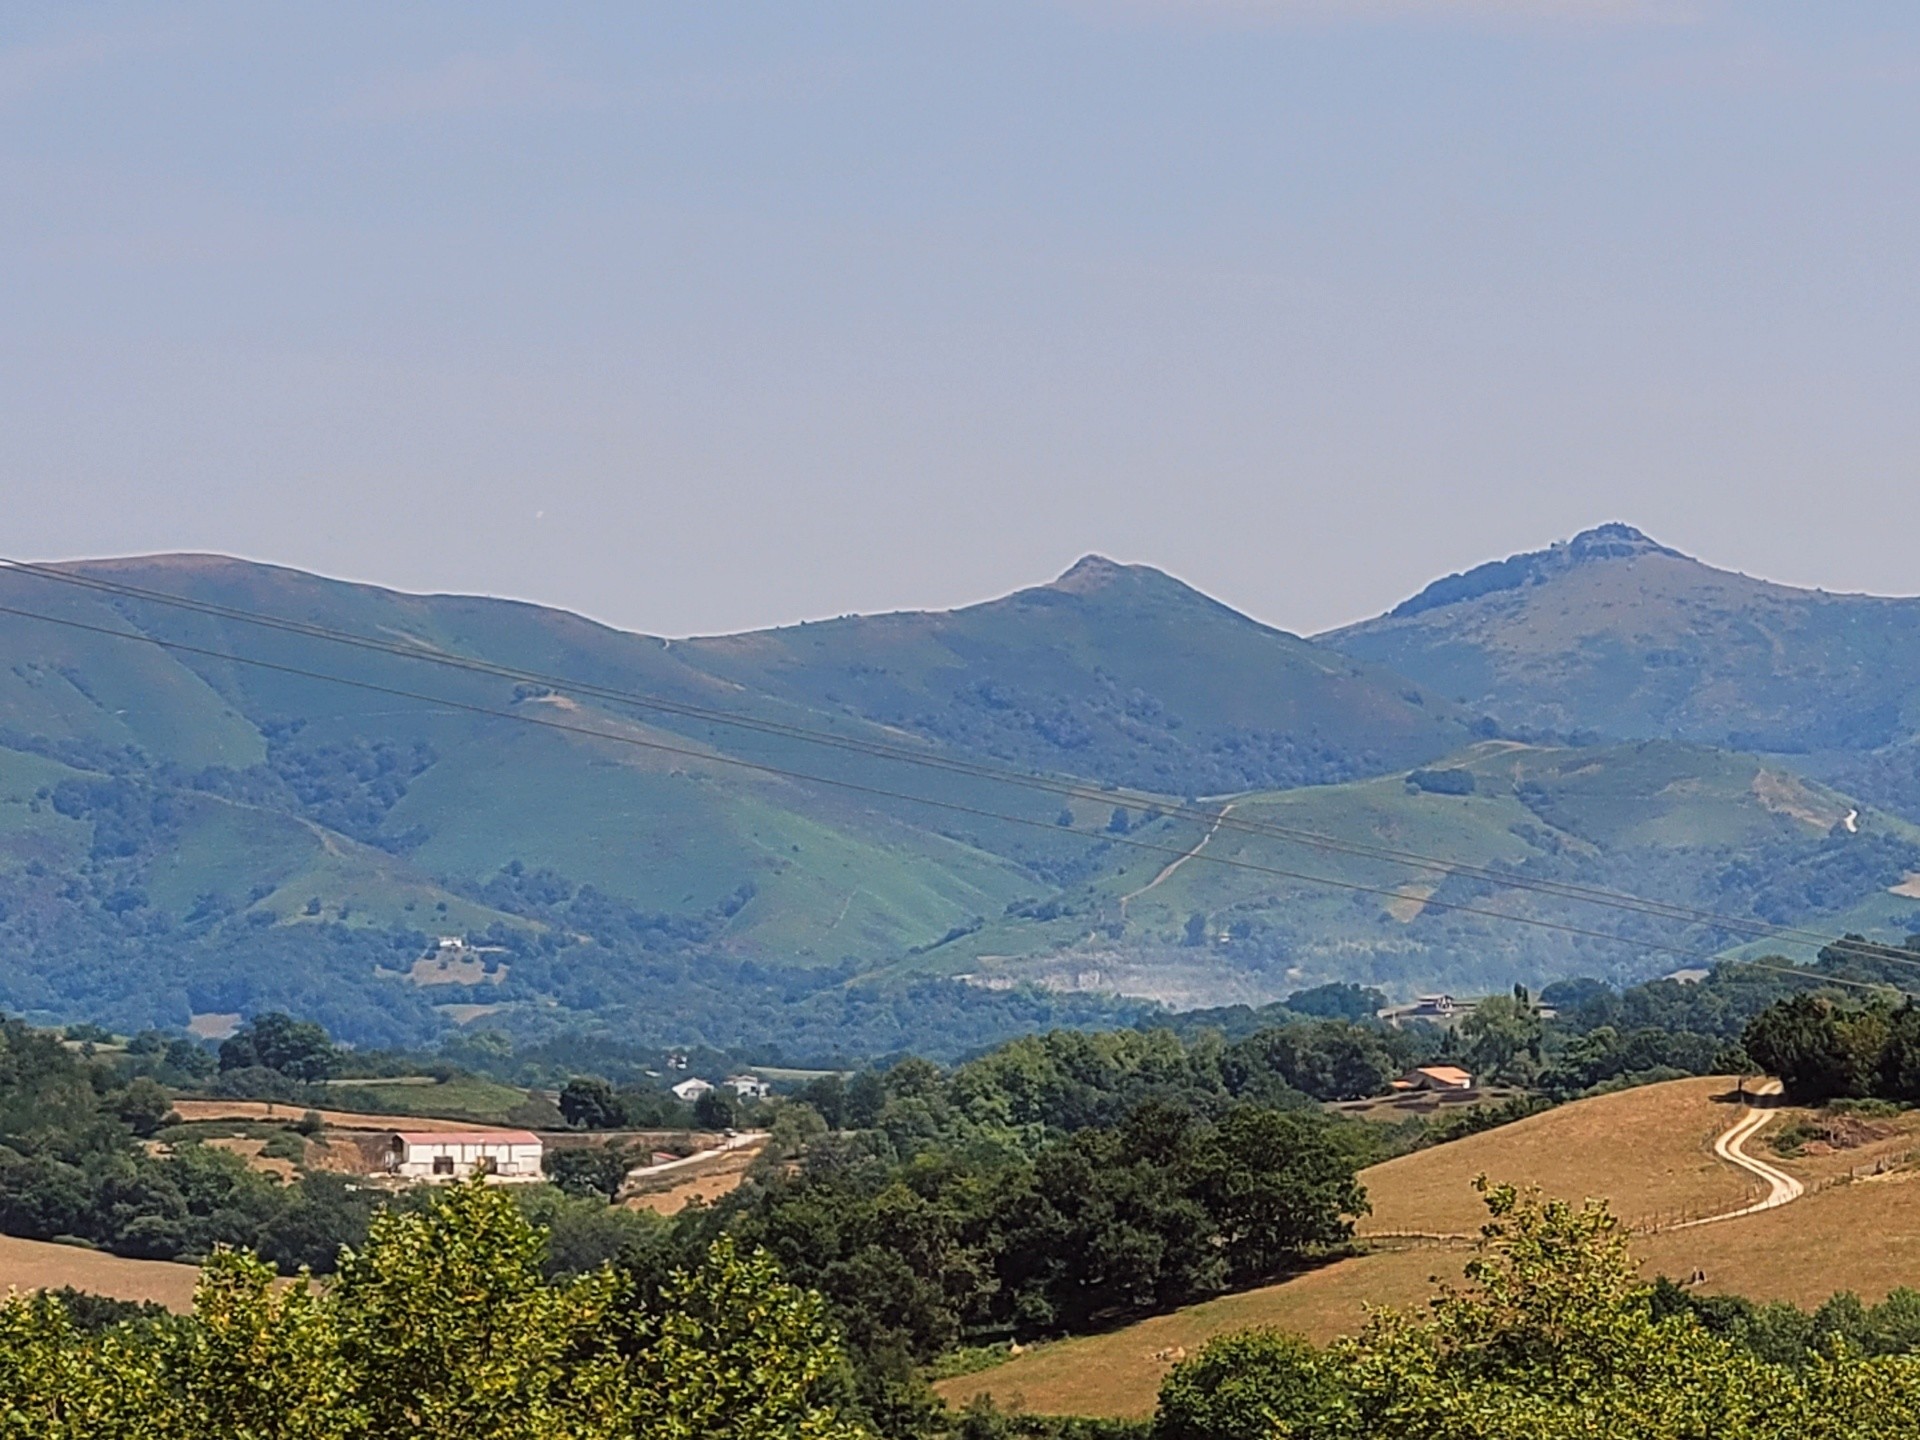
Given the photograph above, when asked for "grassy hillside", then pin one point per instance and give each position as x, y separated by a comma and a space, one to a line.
1115, 672
1719, 832
1612, 634
42, 1265
183, 834
1648, 1151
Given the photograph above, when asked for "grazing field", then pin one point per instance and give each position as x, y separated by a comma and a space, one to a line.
1649, 1151
1862, 1236
466, 1097
1118, 1374
40, 1265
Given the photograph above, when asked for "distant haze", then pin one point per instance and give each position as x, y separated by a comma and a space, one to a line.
703, 318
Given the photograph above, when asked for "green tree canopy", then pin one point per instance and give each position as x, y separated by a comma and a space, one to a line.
440, 1328
298, 1049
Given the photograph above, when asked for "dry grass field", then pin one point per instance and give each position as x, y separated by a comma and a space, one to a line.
672, 1193
38, 1265
1648, 1151
1118, 1374
1863, 1236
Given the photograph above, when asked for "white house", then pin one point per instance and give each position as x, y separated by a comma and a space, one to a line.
444, 1155
691, 1090
749, 1087
1435, 1077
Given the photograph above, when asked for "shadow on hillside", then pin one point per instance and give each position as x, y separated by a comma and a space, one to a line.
1121, 1319
1747, 1096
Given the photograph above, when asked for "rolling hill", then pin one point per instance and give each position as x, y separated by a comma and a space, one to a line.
186, 834
1648, 1151
1710, 830
806, 832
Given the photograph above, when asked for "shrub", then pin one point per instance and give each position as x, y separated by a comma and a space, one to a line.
1451, 781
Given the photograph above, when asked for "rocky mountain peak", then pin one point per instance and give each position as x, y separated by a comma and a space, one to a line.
1603, 543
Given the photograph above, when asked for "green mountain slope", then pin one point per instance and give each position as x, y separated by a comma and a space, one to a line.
205, 820
1119, 673
1724, 833
1611, 634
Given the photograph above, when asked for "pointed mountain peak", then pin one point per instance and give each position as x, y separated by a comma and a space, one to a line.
1092, 572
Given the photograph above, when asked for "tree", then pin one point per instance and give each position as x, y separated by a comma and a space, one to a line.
588, 1103
189, 1059
590, 1169
717, 1109
442, 1327
1899, 1069
145, 1106
1255, 1385
866, 1097
1329, 1060
1337, 1001
1276, 1188
732, 1350
298, 1049
1819, 1049
828, 1096
1503, 1037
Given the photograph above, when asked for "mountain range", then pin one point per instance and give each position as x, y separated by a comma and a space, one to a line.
227, 786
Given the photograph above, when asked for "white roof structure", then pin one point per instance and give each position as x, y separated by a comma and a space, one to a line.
441, 1156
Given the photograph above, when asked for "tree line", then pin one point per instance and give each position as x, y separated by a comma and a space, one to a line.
444, 1325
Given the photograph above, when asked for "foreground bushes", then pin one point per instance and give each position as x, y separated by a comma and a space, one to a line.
1552, 1338
440, 1328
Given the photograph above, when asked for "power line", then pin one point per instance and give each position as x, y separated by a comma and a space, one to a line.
782, 772
1558, 889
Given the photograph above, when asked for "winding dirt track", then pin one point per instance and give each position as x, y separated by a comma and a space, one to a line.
1782, 1188
1212, 830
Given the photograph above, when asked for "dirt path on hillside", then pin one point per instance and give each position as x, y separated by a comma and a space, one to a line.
676, 1189
1175, 864
745, 1140
1782, 1188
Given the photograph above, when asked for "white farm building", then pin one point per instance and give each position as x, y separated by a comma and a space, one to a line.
444, 1155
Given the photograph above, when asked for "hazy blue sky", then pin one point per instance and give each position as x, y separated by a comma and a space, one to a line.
697, 317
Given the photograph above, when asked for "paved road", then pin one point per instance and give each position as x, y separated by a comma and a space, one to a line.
1782, 1188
